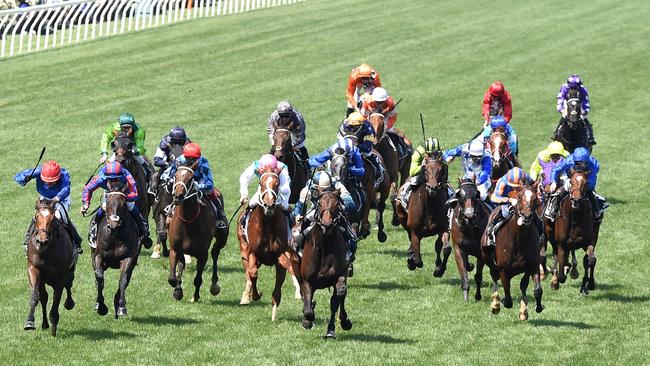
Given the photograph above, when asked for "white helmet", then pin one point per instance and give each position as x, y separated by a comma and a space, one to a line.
324, 180
379, 94
476, 148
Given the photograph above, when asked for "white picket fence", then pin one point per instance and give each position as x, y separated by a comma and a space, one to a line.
46, 26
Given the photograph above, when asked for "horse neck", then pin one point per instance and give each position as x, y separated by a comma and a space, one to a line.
188, 208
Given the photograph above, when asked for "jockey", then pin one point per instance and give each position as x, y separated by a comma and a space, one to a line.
356, 170
163, 158
110, 174
431, 148
323, 182
256, 169
285, 114
546, 160
497, 99
52, 182
511, 135
502, 197
476, 163
582, 160
381, 102
202, 176
362, 79
574, 83
126, 123
357, 128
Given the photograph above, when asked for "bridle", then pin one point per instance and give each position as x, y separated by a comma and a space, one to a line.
268, 190
336, 216
190, 192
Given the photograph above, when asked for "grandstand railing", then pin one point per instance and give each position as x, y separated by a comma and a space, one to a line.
40, 27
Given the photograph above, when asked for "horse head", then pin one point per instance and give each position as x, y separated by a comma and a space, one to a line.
43, 223
435, 174
468, 198
378, 123
339, 165
282, 146
578, 180
499, 149
115, 207
122, 146
184, 184
269, 186
573, 112
527, 202
329, 209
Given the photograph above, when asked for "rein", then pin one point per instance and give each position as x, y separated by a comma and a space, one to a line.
189, 193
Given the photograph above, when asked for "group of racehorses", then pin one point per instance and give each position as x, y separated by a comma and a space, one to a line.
184, 219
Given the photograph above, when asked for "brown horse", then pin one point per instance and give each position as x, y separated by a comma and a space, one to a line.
376, 198
517, 251
323, 262
51, 260
426, 215
282, 149
502, 157
162, 203
397, 166
191, 229
468, 221
117, 247
575, 228
265, 240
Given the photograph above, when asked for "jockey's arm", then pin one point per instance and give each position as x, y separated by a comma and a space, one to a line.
302, 201
107, 137
284, 190
560, 99
535, 168
160, 158
346, 197
485, 111
26, 175
507, 107
139, 138
64, 182
455, 152
500, 194
87, 193
273, 118
560, 168
351, 89
486, 169
356, 169
300, 130
584, 102
132, 195
593, 174
320, 159
416, 161
512, 138
206, 184
245, 179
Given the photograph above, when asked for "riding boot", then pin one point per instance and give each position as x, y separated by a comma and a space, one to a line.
153, 183
379, 170
143, 228
219, 213
92, 229
244, 217
493, 227
557, 129
595, 205
76, 238
590, 132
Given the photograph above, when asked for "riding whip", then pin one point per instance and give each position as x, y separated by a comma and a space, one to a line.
235, 213
93, 173
424, 135
39, 161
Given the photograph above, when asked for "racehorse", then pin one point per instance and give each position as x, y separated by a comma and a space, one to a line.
191, 229
161, 205
265, 240
572, 132
123, 148
397, 166
323, 262
575, 228
517, 251
426, 215
502, 157
283, 150
468, 221
117, 247
51, 260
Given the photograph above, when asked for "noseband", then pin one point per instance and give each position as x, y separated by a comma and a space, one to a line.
192, 191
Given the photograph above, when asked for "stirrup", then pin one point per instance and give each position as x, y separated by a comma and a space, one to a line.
221, 224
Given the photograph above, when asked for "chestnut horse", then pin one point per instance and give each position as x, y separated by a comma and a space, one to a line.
282, 149
51, 260
575, 228
323, 261
162, 203
397, 166
426, 215
468, 221
517, 251
117, 247
191, 229
265, 240
502, 157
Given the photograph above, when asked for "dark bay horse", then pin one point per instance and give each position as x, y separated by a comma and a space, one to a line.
575, 228
282, 149
117, 247
502, 157
397, 166
51, 260
468, 221
426, 215
517, 251
191, 229
265, 241
323, 262
572, 132
162, 202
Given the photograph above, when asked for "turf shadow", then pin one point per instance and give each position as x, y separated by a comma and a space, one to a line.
375, 338
100, 334
622, 298
560, 324
399, 253
386, 286
616, 201
163, 320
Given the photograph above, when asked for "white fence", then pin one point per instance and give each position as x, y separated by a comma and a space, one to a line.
46, 26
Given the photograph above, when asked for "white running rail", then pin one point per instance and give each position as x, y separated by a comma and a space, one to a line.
67, 22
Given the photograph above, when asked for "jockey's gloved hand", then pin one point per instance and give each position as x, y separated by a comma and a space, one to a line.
512, 201
23, 181
243, 200
103, 158
84, 209
56, 199
553, 187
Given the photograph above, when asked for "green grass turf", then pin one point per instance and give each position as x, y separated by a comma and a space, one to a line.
221, 77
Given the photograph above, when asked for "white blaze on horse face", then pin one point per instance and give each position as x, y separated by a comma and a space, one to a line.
497, 147
528, 195
45, 213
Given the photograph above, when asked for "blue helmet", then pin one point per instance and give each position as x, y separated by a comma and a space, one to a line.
498, 121
581, 154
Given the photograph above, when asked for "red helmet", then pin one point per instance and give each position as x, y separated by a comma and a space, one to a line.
496, 89
192, 151
50, 171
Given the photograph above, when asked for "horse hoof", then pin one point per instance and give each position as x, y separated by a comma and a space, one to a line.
507, 303
330, 334
575, 272
350, 270
121, 311
523, 316
244, 301
469, 267
68, 304
346, 324
307, 324
309, 316
496, 308
147, 242
591, 284
54, 326
194, 300
178, 294
439, 271
381, 236
188, 259
45, 325
539, 308
554, 284
394, 221
29, 325
419, 264
156, 252
257, 297
478, 297
102, 309
410, 263
584, 291
542, 276
215, 289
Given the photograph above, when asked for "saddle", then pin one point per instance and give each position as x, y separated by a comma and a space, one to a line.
403, 150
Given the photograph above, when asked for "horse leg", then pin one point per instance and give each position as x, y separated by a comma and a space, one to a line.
507, 297
43, 297
381, 206
215, 289
538, 293
246, 295
523, 286
442, 244
253, 274
542, 261
34, 299
574, 273
100, 306
180, 269
198, 279
555, 284
342, 292
478, 278
308, 305
462, 271
69, 301
280, 274
334, 306
54, 311
562, 257
292, 264
591, 283
393, 201
495, 306
584, 289
414, 259
126, 268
